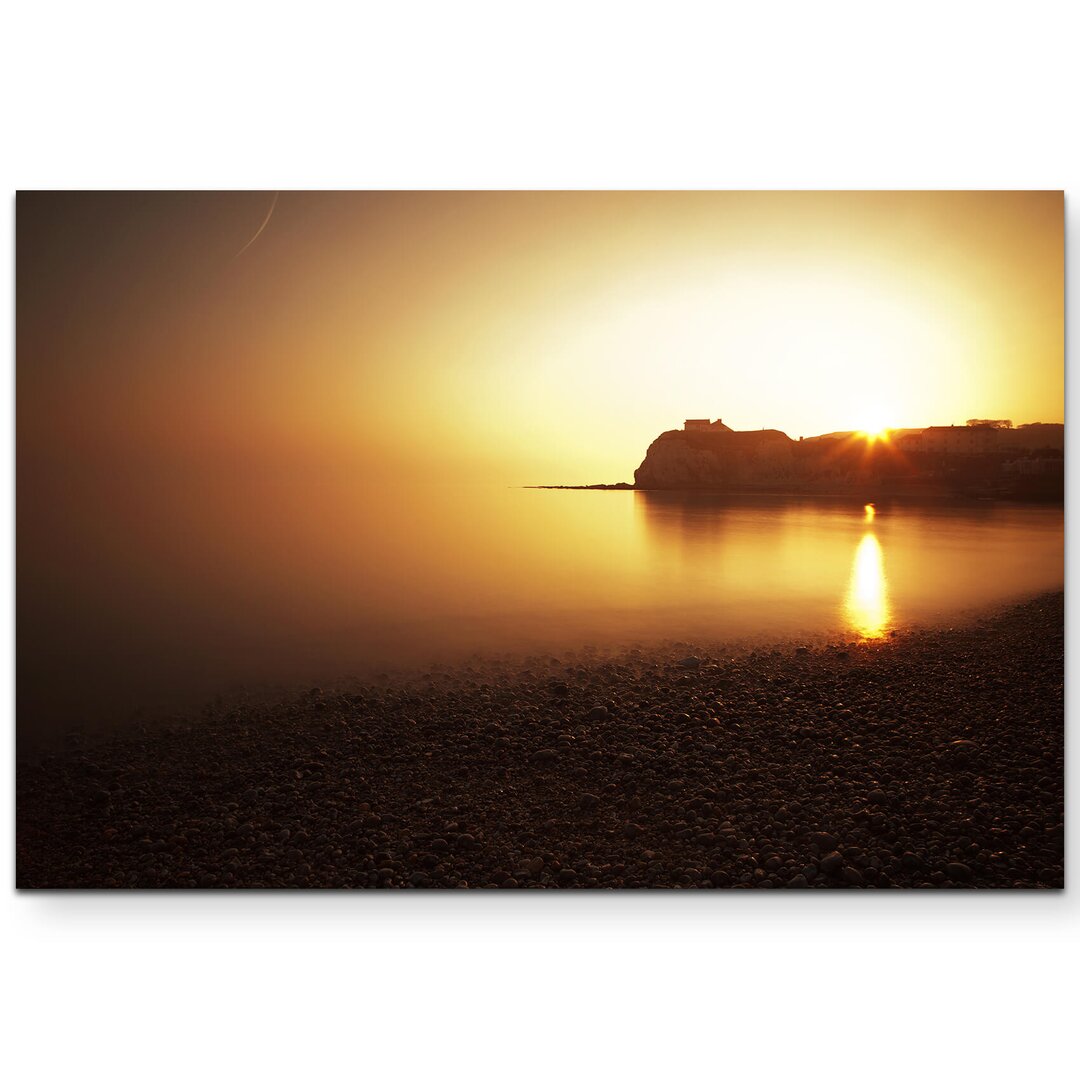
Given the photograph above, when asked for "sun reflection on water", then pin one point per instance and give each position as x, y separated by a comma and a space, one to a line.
867, 606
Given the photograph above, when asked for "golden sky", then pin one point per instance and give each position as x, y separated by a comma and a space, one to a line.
522, 337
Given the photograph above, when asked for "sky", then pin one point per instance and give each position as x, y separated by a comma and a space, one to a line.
518, 337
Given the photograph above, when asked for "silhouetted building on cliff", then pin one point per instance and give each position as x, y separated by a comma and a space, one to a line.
975, 439
705, 425
956, 440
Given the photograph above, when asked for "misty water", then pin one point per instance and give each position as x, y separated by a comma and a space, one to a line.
132, 606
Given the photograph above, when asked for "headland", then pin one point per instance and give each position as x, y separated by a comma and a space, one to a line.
988, 459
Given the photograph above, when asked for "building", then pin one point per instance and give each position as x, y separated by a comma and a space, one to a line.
1035, 466
959, 440
1038, 437
705, 425
984, 439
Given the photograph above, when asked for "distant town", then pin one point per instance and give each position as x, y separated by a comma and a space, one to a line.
974, 437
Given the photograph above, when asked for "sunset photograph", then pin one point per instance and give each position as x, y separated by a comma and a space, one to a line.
539, 539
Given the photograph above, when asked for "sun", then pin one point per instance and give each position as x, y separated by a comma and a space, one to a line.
873, 427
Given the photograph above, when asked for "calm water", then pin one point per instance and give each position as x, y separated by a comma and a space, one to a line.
165, 600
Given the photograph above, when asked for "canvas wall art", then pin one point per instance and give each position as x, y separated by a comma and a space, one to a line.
543, 540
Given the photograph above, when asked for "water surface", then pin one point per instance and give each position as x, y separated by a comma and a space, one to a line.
154, 599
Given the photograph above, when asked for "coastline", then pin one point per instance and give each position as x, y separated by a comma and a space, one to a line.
934, 759
953, 498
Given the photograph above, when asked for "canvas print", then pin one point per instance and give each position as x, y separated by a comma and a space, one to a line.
540, 540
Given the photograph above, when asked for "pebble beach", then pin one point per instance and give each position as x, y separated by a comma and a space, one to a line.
934, 759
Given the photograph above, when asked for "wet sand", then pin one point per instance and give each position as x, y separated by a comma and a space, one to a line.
935, 759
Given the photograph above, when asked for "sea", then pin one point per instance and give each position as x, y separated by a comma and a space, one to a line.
144, 608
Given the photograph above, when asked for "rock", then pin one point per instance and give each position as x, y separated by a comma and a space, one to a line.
823, 841
958, 871
588, 801
680, 459
878, 797
691, 662
597, 712
851, 876
961, 752
543, 757
797, 882
831, 863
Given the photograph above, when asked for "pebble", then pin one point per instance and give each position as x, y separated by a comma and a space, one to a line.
756, 770
831, 863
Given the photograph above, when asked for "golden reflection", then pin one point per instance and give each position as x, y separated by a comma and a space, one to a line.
867, 605
871, 512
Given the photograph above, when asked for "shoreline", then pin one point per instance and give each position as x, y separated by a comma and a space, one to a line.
932, 759
946, 497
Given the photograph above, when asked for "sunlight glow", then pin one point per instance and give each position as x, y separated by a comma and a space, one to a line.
537, 336
867, 606
874, 430
668, 341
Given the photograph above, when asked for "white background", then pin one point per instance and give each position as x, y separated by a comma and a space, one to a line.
679, 95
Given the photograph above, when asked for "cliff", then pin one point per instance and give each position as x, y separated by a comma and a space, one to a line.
684, 459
